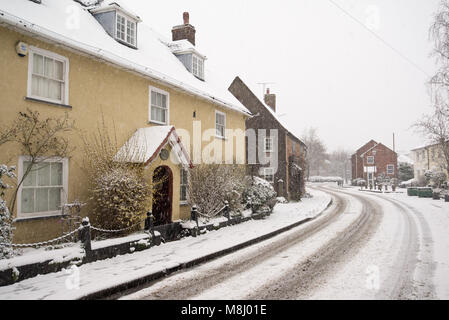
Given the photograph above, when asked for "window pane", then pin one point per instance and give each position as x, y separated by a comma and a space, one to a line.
183, 193
27, 200
154, 113
30, 179
54, 199
59, 70
56, 174
153, 98
38, 86
49, 67
42, 200
38, 64
158, 99
54, 90
43, 174
164, 101
220, 119
163, 113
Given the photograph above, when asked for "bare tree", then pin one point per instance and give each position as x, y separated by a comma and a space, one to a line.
38, 139
435, 126
316, 152
439, 33
339, 164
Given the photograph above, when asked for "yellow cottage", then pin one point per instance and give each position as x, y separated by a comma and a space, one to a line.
97, 59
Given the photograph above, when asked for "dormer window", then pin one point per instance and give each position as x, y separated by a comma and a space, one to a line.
117, 22
126, 30
198, 66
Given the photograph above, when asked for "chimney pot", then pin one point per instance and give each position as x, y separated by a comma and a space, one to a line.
186, 17
268, 90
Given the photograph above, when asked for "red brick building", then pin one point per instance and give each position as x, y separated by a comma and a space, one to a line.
372, 160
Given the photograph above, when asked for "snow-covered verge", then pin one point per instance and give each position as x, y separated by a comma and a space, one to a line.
436, 214
100, 275
66, 253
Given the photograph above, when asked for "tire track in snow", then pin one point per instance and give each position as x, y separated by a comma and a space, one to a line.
190, 287
414, 280
300, 280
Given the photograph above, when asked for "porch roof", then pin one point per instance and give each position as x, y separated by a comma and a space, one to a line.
146, 144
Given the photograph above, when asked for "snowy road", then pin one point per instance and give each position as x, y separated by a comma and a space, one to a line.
365, 246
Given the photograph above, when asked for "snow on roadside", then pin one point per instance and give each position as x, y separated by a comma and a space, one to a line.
104, 274
66, 253
436, 214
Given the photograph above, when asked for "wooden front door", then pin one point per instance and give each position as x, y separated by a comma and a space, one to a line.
162, 195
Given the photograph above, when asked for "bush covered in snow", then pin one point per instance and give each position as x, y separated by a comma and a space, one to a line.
118, 192
210, 185
259, 195
359, 182
120, 199
5, 217
435, 177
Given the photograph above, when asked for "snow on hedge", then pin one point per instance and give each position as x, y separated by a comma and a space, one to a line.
5, 217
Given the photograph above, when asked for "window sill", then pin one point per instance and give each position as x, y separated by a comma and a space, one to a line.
48, 102
183, 203
157, 123
42, 217
221, 138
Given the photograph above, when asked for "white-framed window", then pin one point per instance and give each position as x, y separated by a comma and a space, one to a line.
268, 174
390, 169
293, 147
184, 185
48, 76
198, 66
370, 160
44, 189
126, 29
268, 144
220, 124
159, 106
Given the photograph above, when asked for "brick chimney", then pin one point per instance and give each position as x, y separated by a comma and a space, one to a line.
184, 31
270, 100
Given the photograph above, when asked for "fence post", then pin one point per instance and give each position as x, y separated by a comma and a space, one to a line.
227, 211
194, 217
149, 223
85, 235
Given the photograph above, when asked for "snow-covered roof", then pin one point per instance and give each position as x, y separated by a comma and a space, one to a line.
146, 144
52, 21
183, 46
275, 116
104, 6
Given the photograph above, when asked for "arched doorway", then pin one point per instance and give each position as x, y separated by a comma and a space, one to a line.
162, 195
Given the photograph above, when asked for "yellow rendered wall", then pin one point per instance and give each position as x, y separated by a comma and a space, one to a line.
96, 89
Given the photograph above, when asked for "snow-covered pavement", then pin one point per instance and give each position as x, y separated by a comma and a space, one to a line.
100, 275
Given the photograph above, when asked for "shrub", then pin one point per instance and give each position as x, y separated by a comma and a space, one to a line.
5, 217
210, 185
120, 198
118, 193
359, 182
259, 195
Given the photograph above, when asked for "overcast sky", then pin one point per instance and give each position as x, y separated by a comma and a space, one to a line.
329, 71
